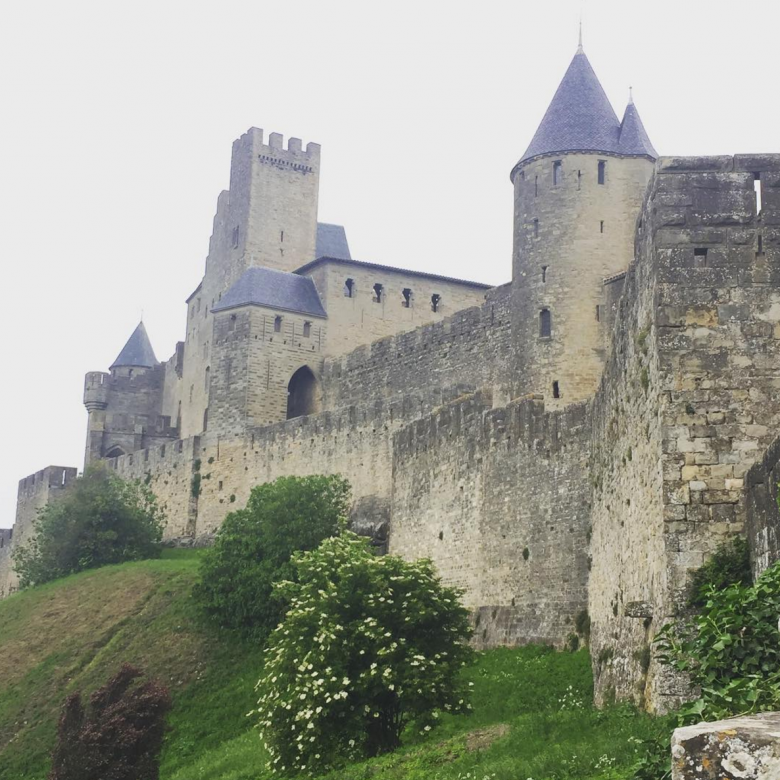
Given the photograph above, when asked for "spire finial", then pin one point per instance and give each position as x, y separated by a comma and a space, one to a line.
630, 96
579, 47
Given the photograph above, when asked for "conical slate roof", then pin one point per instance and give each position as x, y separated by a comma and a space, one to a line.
581, 118
633, 136
138, 352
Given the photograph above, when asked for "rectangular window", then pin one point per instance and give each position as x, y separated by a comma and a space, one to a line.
536, 228
307, 330
556, 390
557, 172
277, 324
235, 237
378, 292
602, 225
602, 171
407, 301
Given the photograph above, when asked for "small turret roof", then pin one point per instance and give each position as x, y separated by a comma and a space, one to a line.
581, 118
332, 241
274, 289
633, 136
138, 352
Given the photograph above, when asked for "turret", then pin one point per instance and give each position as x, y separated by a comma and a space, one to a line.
578, 190
125, 405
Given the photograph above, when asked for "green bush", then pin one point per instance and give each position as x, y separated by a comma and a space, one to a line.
731, 650
100, 520
369, 646
253, 547
729, 565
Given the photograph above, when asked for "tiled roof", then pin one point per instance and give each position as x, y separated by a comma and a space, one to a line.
304, 269
137, 352
581, 118
331, 241
274, 289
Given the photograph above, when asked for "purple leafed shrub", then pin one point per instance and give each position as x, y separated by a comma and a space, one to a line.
118, 736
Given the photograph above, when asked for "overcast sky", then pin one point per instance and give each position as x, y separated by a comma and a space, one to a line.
118, 118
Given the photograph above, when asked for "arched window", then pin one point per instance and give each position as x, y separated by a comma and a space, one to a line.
307, 330
277, 324
545, 323
115, 452
349, 288
379, 292
303, 393
407, 301
435, 302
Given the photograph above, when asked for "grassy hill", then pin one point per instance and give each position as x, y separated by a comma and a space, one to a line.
532, 707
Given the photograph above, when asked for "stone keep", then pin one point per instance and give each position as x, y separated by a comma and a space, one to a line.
568, 447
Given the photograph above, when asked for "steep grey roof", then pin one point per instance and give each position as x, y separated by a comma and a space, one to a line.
137, 352
274, 289
581, 118
304, 269
633, 136
331, 241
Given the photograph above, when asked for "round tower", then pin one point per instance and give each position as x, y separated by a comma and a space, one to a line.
578, 190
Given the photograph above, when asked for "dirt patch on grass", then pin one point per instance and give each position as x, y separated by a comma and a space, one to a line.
481, 739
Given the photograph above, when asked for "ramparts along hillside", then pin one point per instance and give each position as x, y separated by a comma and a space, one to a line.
582, 438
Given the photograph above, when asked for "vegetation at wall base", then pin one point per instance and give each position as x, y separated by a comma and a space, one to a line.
532, 713
100, 520
370, 646
253, 547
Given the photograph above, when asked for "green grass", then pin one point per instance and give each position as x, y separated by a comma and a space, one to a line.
532, 707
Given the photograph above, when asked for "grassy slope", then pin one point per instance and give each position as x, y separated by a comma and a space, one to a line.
532, 715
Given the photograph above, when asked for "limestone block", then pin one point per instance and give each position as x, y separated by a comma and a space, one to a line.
746, 748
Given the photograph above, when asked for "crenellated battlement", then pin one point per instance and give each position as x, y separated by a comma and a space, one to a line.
96, 390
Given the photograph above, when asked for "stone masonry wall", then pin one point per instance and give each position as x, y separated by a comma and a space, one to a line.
499, 499
34, 493
360, 319
711, 373
470, 350
762, 483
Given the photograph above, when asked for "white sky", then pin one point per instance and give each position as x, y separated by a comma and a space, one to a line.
118, 118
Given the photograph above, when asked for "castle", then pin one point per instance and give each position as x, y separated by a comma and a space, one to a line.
576, 441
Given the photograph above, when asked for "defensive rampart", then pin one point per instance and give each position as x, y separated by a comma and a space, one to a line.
471, 350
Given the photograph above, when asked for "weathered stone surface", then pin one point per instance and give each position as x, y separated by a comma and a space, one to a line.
745, 748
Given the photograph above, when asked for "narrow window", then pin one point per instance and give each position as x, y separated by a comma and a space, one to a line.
602, 171
579, 180
757, 188
378, 292
557, 172
208, 378
281, 237
601, 225
205, 419
598, 313
435, 302
235, 237
407, 302
349, 288
277, 324
700, 251
536, 186
522, 175
192, 390
545, 323
544, 274
130, 372
307, 330
536, 228
232, 322
220, 485
556, 390
760, 248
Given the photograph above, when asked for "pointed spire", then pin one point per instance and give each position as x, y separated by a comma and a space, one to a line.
633, 136
580, 50
580, 118
138, 352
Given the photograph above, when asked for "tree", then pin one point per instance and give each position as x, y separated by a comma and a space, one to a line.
121, 735
100, 520
370, 645
254, 545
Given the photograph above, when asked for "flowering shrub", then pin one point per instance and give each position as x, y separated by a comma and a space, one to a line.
369, 646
